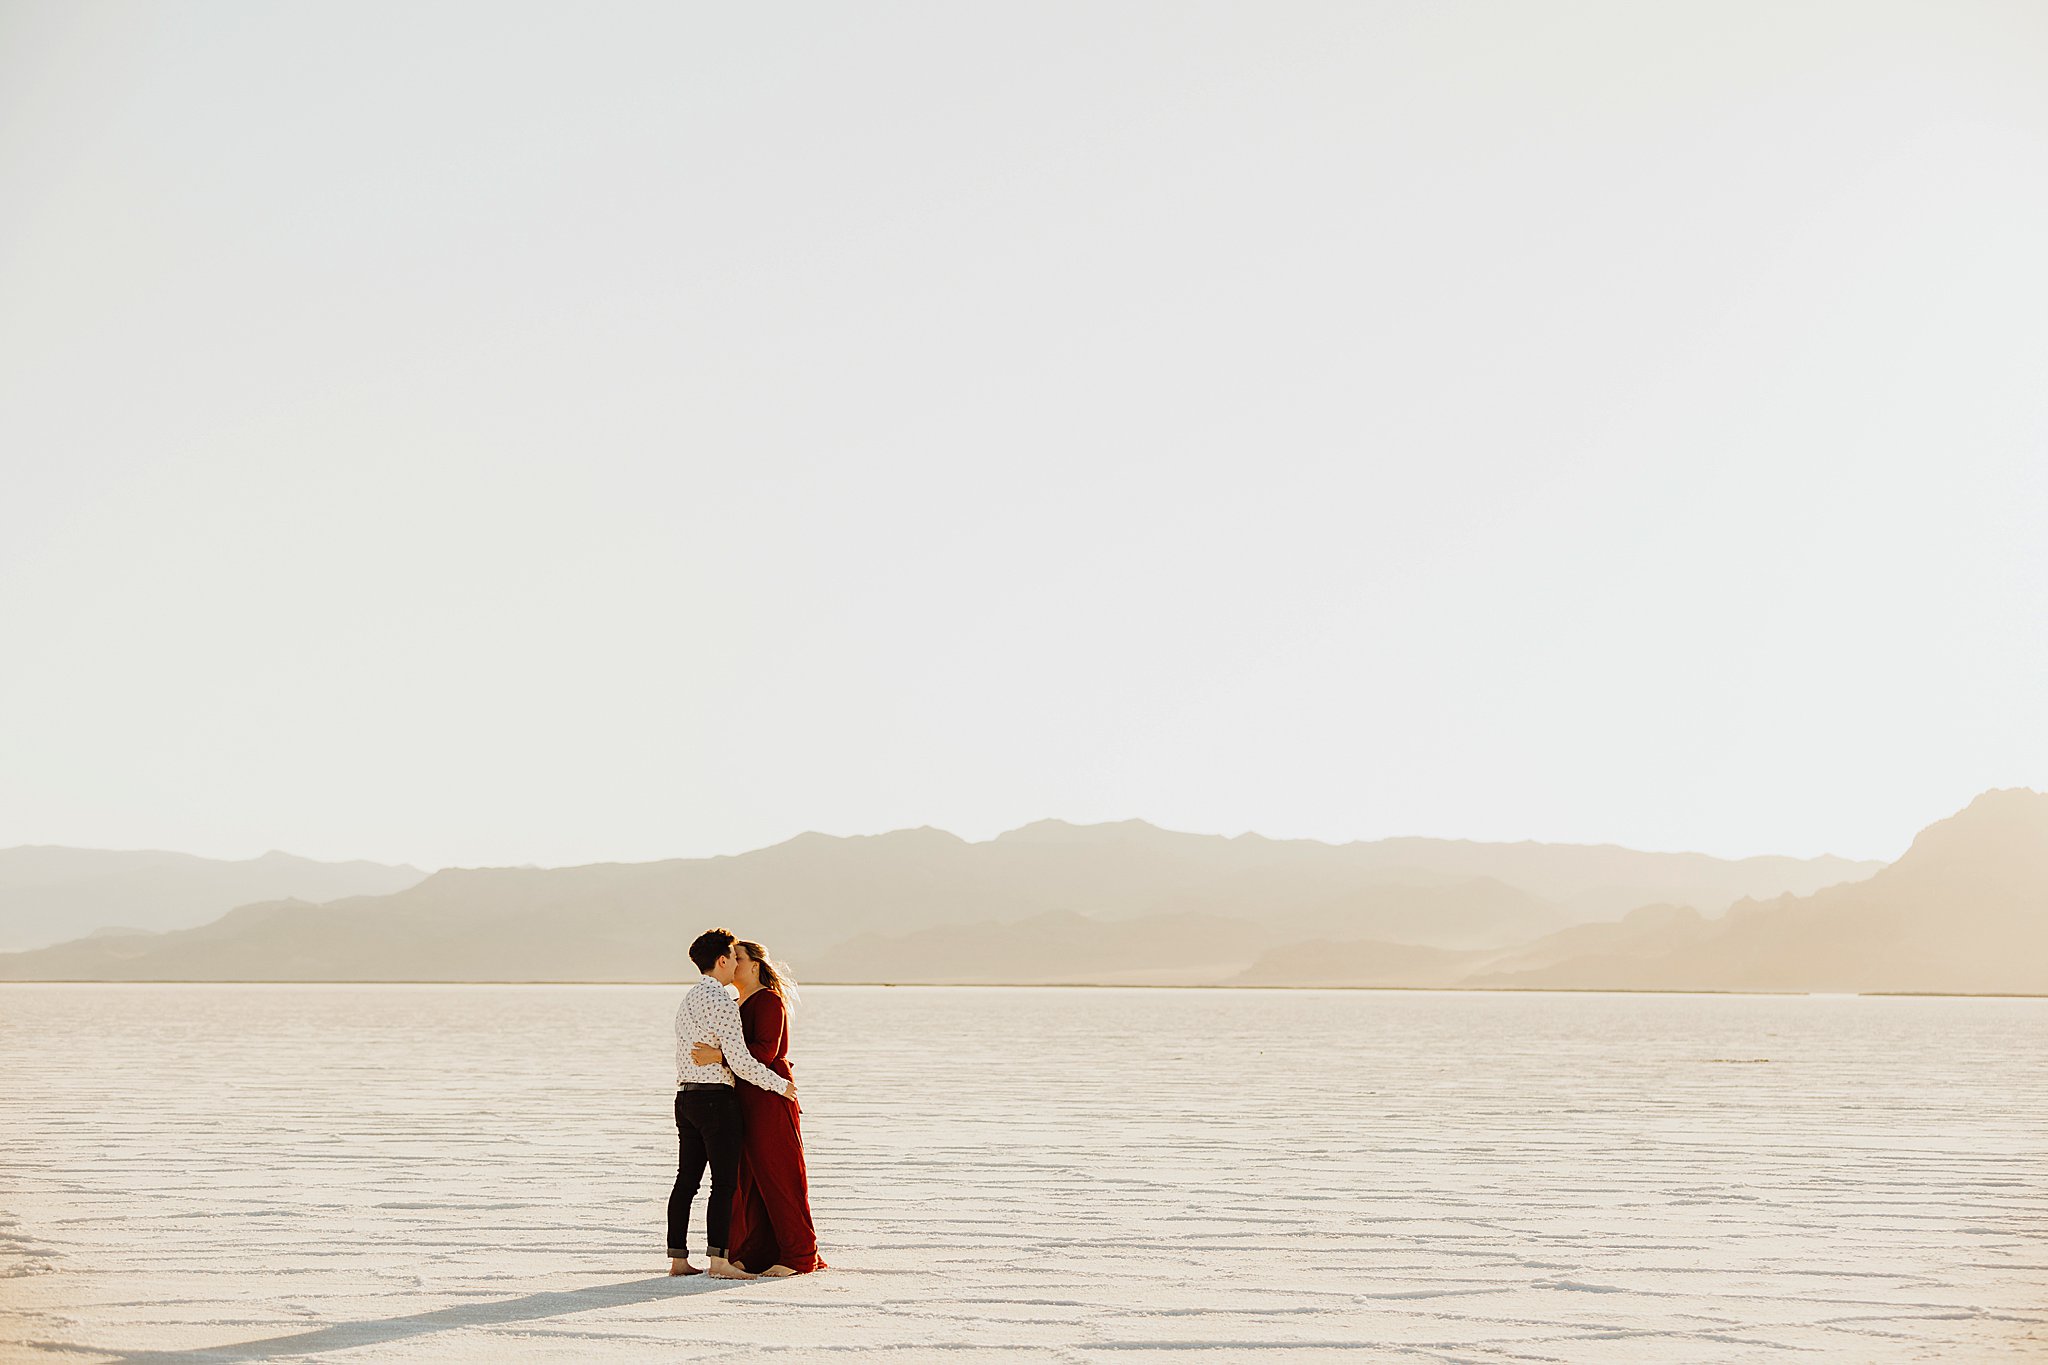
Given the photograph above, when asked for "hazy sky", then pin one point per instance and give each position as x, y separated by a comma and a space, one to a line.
500, 433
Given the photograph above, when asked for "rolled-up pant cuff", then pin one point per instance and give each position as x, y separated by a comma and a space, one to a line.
715, 1253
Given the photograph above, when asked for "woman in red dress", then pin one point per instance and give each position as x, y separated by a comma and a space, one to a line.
771, 1207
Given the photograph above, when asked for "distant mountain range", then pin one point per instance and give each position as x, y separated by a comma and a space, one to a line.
50, 894
1051, 901
1964, 911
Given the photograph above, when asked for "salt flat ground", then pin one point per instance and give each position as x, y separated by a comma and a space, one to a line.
479, 1173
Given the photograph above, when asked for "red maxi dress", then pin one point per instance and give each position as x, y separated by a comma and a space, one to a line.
771, 1205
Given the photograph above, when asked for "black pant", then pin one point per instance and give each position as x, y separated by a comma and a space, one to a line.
707, 1129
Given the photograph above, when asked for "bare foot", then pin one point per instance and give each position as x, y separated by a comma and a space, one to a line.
678, 1266
776, 1272
722, 1269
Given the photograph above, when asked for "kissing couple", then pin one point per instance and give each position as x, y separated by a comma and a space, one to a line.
758, 1216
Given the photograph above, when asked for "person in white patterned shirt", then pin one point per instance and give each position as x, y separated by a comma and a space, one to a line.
707, 1108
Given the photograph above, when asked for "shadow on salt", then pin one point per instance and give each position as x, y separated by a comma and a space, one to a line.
376, 1332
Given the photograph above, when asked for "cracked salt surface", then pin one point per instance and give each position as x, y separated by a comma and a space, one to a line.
478, 1173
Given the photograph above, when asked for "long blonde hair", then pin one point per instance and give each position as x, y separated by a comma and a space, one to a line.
774, 975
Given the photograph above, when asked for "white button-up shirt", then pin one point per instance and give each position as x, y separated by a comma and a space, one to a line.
709, 1014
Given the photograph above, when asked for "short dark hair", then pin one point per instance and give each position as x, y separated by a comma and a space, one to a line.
710, 946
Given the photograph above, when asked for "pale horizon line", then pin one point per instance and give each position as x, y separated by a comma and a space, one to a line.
297, 983
430, 867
